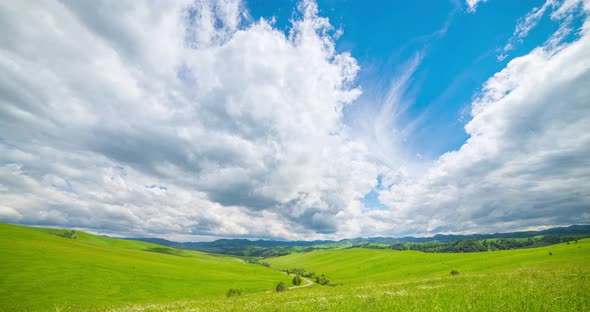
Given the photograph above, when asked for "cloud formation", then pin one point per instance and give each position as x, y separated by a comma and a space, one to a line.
238, 124
188, 118
526, 162
472, 4
563, 12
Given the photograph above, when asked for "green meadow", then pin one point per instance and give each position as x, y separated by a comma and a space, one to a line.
520, 290
42, 271
57, 270
359, 265
384, 280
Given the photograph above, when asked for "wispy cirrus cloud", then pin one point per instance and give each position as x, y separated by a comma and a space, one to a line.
563, 12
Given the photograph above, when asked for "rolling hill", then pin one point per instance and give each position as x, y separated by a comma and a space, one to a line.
64, 270
553, 278
44, 269
361, 265
262, 248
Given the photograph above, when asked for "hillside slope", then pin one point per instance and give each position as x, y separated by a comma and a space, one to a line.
360, 265
40, 270
387, 280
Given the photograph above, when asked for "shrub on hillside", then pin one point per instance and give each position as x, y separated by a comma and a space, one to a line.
298, 271
455, 272
281, 287
232, 292
67, 234
322, 280
297, 280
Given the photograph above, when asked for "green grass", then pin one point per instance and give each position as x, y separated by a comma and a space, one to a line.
42, 271
384, 280
360, 265
521, 290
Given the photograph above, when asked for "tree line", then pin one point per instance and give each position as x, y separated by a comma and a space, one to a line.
475, 245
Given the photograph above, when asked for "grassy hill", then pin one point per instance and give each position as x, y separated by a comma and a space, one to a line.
360, 265
47, 269
387, 280
43, 269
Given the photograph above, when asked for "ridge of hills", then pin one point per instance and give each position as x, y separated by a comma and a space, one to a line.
238, 246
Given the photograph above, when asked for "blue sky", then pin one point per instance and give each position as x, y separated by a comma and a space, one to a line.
194, 120
458, 52
458, 48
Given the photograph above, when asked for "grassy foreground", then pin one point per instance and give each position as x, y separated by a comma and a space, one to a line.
41, 271
521, 290
385, 280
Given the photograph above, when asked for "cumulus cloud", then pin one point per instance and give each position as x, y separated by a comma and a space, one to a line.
237, 123
186, 119
526, 162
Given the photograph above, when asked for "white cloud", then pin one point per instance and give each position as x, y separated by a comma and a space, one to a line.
239, 123
182, 119
562, 12
526, 162
532, 19
472, 4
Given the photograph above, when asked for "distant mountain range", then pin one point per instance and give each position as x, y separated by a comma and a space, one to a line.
221, 245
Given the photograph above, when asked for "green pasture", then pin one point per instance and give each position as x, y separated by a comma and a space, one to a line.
58, 270
520, 290
385, 280
42, 271
361, 265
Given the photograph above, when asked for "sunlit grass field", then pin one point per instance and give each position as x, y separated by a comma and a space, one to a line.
383, 280
41, 271
521, 290
360, 266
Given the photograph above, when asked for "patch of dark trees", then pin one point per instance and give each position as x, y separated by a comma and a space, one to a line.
476, 245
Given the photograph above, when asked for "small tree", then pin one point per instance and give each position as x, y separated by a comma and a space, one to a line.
281, 287
297, 280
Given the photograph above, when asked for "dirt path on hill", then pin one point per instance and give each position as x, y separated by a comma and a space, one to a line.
308, 283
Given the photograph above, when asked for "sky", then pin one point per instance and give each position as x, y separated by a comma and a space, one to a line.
198, 120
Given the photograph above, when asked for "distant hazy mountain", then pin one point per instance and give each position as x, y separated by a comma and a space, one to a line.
229, 244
